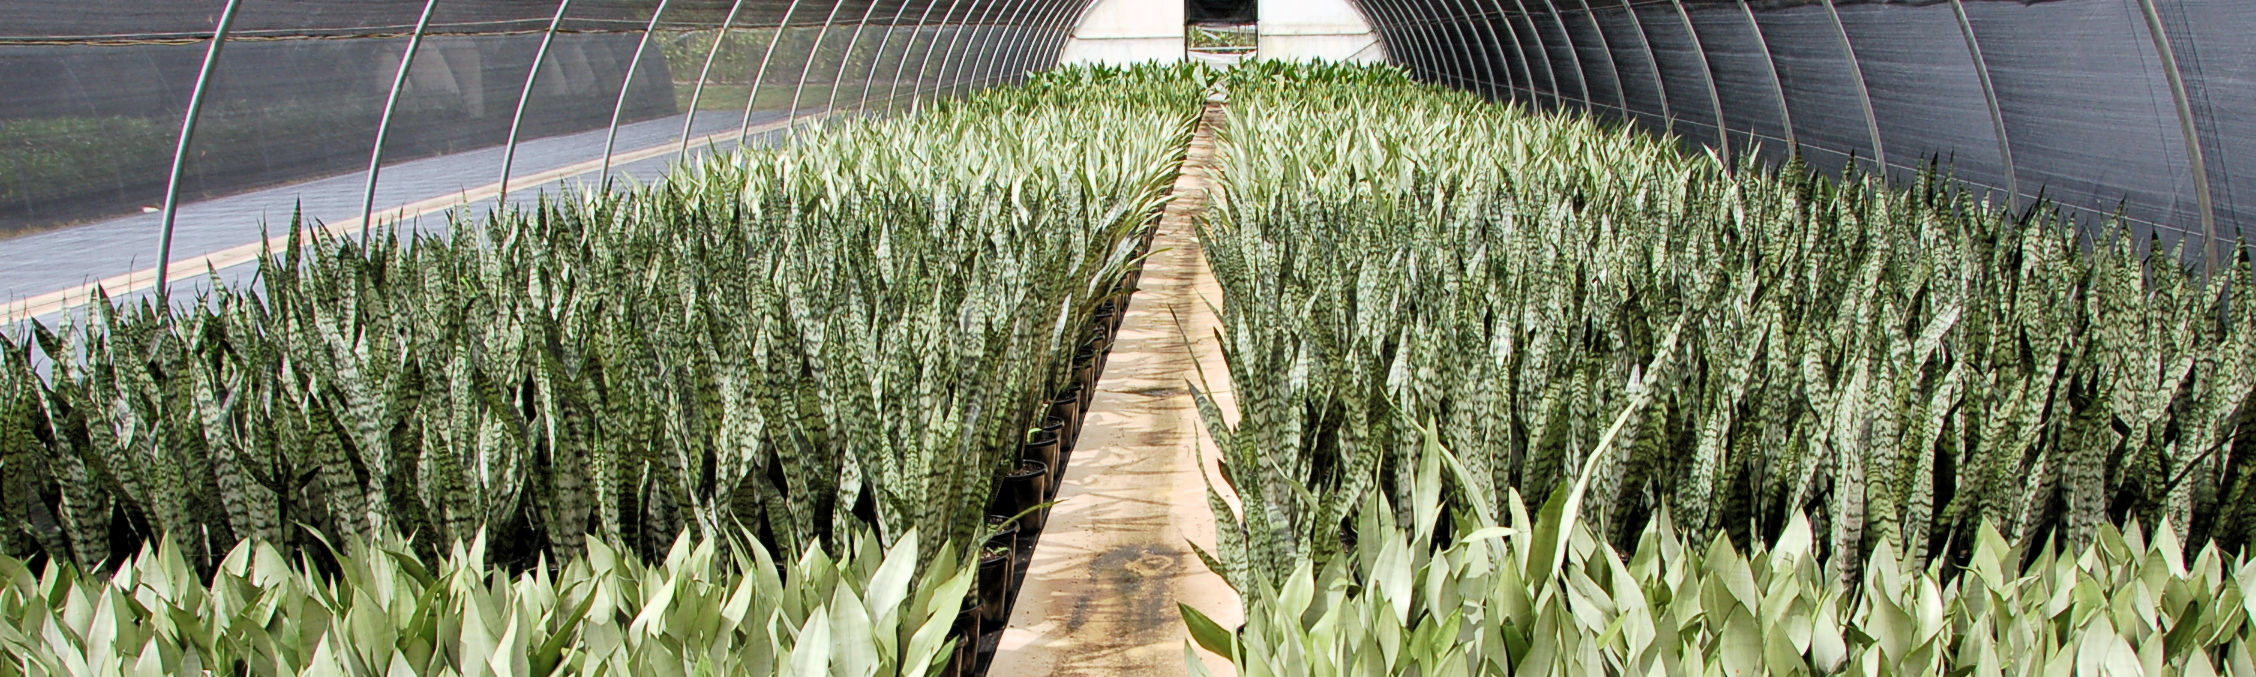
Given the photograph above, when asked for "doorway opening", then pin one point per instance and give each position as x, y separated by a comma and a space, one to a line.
1221, 32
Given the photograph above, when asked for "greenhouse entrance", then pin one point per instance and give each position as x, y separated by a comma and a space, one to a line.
1221, 32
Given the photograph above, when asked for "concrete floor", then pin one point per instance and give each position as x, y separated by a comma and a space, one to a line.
1101, 593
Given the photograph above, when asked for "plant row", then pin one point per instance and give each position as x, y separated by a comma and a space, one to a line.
1565, 304
1544, 594
861, 328
709, 606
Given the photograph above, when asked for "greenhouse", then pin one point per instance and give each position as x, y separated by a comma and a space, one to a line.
1341, 338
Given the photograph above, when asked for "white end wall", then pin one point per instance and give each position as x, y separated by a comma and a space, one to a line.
1297, 30
1123, 32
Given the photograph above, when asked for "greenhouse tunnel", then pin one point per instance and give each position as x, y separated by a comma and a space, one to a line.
727, 275
2136, 107
2129, 107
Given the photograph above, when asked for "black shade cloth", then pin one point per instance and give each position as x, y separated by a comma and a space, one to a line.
2065, 100
1220, 11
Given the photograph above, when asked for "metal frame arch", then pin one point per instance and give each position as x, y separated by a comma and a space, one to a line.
1045, 32
220, 29
1479, 26
1379, 27
1461, 34
1660, 84
626, 84
697, 92
983, 51
1707, 73
839, 78
916, 90
1778, 82
1020, 50
952, 62
517, 120
1023, 50
1518, 55
2199, 164
1416, 47
892, 92
1542, 48
384, 122
759, 76
1574, 55
1621, 96
1389, 26
1066, 22
1856, 68
1489, 17
797, 90
1427, 37
1997, 112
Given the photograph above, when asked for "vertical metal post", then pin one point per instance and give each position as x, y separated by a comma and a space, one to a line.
1864, 94
626, 84
761, 75
384, 122
180, 153
697, 92
517, 120
1700, 50
1777, 82
2194, 156
1997, 113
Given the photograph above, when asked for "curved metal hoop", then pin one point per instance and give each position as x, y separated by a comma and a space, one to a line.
759, 76
517, 120
626, 84
1707, 73
2194, 157
1997, 113
808, 66
838, 80
697, 93
180, 153
384, 123
1777, 82
1864, 93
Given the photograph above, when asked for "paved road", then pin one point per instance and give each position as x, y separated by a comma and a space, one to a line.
46, 262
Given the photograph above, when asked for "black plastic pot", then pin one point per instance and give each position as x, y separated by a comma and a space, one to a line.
965, 662
1044, 447
995, 570
1085, 368
1067, 407
1055, 426
1026, 486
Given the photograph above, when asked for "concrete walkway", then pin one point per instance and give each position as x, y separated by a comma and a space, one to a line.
1100, 594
